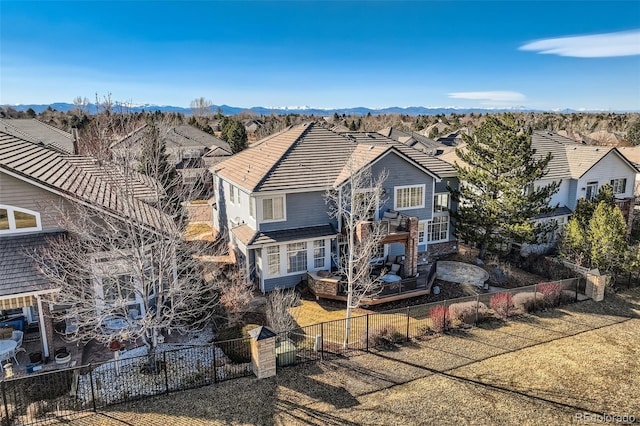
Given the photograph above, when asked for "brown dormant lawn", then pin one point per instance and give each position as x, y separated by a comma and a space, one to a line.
536, 369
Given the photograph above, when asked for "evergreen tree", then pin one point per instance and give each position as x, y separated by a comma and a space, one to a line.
606, 238
633, 134
497, 195
234, 133
154, 161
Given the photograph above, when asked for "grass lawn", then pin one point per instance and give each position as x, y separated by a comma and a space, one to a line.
536, 369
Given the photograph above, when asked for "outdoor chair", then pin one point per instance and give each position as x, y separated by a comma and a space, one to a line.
17, 336
394, 269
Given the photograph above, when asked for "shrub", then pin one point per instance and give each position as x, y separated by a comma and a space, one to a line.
502, 304
383, 337
440, 319
527, 301
466, 311
550, 293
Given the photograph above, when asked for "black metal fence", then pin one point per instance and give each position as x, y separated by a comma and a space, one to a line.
366, 332
66, 393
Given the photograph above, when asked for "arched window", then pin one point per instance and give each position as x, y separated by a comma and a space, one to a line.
15, 219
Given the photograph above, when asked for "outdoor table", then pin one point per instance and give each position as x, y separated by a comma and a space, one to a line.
390, 278
7, 349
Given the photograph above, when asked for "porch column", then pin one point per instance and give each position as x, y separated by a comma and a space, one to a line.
411, 257
44, 333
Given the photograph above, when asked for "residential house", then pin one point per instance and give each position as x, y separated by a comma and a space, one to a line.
34, 130
190, 149
632, 153
271, 200
413, 140
34, 181
581, 170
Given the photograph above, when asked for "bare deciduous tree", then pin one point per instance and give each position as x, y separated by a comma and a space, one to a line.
125, 270
279, 302
236, 294
201, 107
353, 205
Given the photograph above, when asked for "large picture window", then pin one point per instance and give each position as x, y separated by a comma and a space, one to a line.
441, 203
409, 197
319, 254
296, 257
273, 260
273, 208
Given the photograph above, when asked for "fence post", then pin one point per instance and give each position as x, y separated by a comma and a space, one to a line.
444, 316
166, 375
535, 298
93, 393
477, 303
4, 398
322, 341
367, 333
577, 287
215, 367
408, 311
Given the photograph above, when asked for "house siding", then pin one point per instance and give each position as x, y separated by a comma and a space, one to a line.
608, 168
302, 210
16, 193
401, 173
289, 281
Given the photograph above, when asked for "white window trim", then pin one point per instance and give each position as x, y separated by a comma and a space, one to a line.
284, 209
282, 272
446, 238
398, 188
625, 185
12, 221
424, 239
447, 208
591, 184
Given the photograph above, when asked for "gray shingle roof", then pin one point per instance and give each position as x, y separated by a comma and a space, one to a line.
19, 273
311, 157
412, 139
182, 136
35, 130
74, 180
282, 236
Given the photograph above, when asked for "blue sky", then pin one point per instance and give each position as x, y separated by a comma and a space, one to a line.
326, 54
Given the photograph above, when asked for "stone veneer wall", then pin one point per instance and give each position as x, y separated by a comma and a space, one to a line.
440, 249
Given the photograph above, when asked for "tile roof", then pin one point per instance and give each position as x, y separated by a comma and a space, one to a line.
310, 156
19, 273
632, 153
182, 136
284, 235
244, 233
570, 159
75, 179
412, 139
35, 130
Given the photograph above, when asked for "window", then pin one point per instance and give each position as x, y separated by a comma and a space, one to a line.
366, 198
273, 260
232, 193
14, 219
409, 197
318, 254
619, 186
441, 203
422, 226
120, 287
273, 208
296, 257
592, 190
252, 207
438, 229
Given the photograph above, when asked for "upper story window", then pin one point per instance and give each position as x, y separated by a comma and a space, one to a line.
252, 207
441, 202
409, 197
233, 194
15, 219
619, 186
592, 190
273, 208
118, 288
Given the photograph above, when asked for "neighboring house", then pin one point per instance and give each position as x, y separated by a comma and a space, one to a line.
413, 140
190, 149
453, 139
34, 179
34, 130
581, 170
633, 155
271, 199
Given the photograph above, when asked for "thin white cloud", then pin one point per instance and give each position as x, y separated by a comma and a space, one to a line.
493, 96
625, 43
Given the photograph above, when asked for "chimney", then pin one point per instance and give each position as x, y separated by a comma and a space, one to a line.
74, 134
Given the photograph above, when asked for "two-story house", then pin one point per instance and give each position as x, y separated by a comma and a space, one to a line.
271, 200
36, 184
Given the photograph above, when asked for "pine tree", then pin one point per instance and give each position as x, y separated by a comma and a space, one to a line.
234, 133
154, 161
497, 195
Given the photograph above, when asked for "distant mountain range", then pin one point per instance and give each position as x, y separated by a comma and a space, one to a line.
231, 110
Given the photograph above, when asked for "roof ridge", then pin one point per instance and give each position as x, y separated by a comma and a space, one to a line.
296, 141
54, 128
